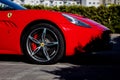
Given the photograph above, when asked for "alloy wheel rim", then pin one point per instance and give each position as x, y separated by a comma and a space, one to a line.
42, 44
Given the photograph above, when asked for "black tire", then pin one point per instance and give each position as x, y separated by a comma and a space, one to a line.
43, 44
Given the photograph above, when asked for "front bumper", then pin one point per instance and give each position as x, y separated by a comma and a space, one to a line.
100, 43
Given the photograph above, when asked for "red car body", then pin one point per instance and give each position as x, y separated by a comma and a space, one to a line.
75, 36
14, 22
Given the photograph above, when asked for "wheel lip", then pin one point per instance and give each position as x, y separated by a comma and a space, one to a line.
30, 51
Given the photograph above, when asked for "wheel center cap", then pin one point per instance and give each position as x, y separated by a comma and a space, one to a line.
42, 44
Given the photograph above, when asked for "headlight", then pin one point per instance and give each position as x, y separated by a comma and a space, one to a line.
75, 21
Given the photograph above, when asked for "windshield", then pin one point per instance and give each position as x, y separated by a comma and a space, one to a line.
9, 5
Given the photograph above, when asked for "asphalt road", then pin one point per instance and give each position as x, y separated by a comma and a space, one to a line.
104, 65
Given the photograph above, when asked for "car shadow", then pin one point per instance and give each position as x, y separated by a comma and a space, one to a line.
86, 72
103, 65
12, 58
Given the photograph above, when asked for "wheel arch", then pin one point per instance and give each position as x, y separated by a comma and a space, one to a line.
42, 21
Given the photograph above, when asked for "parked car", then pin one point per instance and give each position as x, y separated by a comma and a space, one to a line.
44, 36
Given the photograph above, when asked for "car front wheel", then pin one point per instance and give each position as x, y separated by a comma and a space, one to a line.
43, 44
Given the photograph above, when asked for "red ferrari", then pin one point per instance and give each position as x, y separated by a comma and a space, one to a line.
46, 36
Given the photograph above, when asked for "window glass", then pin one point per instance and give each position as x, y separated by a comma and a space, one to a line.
60, 2
89, 2
5, 7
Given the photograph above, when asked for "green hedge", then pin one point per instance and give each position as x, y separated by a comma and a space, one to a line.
108, 16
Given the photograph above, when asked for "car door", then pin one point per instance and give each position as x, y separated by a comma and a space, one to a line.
7, 28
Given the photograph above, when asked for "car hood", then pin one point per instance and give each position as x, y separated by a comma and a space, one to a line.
58, 17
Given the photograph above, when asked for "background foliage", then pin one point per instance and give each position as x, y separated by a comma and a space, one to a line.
108, 16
